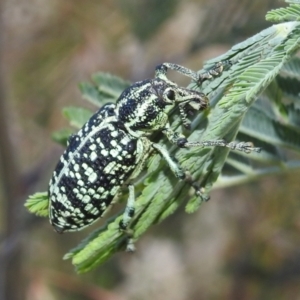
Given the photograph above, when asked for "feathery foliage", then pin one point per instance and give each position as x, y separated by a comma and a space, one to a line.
257, 100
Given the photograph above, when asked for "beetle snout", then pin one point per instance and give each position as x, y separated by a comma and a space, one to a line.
199, 102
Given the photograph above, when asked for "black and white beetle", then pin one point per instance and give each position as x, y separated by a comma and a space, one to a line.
112, 148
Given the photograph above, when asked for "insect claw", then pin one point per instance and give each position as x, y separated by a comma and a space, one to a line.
130, 246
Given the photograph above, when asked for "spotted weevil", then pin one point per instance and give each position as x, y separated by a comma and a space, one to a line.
111, 149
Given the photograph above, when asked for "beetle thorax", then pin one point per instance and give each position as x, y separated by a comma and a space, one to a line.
143, 107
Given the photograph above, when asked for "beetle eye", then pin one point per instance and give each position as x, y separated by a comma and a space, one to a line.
171, 95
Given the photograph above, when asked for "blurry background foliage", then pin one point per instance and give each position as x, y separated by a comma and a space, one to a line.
243, 244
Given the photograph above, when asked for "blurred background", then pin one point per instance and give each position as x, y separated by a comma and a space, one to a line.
243, 244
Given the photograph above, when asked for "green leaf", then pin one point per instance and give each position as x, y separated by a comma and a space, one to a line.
107, 88
77, 116
294, 115
110, 86
286, 14
261, 126
90, 92
38, 204
290, 86
61, 136
291, 68
97, 247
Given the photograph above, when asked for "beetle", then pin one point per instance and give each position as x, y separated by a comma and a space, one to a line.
111, 149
